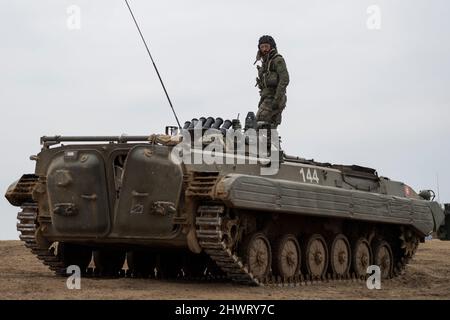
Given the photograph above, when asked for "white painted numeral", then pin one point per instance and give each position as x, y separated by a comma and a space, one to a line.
308, 176
315, 177
302, 173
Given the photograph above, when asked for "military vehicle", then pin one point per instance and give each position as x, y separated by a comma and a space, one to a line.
107, 199
126, 198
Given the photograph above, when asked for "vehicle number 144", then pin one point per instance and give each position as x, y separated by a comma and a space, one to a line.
310, 175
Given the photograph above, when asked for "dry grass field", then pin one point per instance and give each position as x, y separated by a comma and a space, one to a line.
22, 276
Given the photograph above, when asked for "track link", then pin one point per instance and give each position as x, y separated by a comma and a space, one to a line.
210, 237
209, 233
28, 226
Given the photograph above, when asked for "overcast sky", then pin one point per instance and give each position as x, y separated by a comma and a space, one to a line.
377, 98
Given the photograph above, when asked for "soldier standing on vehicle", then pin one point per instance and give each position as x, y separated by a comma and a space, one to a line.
273, 78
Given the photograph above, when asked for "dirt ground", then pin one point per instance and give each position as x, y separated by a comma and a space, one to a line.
22, 276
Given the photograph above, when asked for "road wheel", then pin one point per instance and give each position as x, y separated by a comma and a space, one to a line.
362, 257
286, 256
340, 255
316, 256
257, 255
382, 257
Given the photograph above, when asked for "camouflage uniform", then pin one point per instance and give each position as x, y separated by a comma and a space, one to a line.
273, 78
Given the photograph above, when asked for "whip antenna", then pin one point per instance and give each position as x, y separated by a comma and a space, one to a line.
154, 65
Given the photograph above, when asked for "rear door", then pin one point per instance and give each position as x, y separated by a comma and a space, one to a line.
150, 193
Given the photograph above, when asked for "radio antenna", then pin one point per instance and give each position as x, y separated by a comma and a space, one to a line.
437, 182
154, 65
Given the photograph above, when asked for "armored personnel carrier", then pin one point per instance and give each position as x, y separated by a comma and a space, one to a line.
111, 199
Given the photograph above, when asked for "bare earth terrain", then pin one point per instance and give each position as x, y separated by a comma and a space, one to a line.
22, 276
